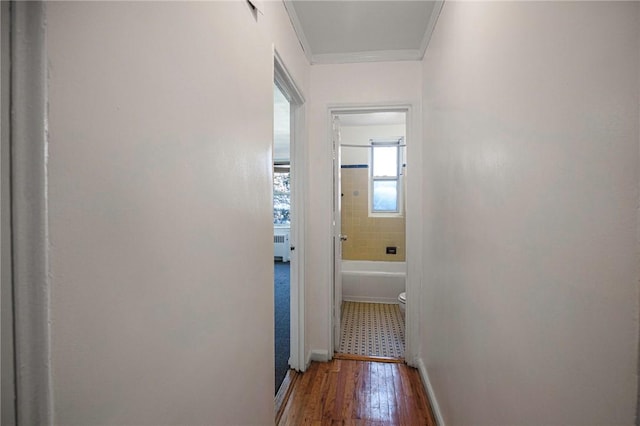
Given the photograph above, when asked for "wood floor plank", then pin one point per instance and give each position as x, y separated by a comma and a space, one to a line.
391, 395
318, 393
365, 408
342, 391
401, 408
348, 406
360, 390
422, 399
358, 393
304, 391
407, 392
329, 397
377, 403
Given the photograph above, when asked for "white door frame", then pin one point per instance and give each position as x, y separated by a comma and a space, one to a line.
336, 296
287, 85
29, 226
413, 219
7, 407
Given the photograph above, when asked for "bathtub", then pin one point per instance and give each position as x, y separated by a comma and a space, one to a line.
368, 281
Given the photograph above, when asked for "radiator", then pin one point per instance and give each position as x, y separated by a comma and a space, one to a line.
281, 247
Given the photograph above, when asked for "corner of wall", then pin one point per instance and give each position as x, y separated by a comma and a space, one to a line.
318, 355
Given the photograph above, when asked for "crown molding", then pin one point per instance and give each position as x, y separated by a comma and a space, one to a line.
431, 26
372, 56
297, 27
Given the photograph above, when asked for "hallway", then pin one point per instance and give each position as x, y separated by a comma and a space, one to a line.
357, 393
140, 196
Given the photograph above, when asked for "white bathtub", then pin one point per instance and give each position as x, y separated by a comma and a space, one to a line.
368, 281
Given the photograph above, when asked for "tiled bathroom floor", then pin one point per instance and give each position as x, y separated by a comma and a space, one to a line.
372, 329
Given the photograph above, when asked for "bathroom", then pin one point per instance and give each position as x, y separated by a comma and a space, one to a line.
372, 227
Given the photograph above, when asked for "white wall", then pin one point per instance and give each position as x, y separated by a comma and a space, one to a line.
344, 84
530, 308
160, 210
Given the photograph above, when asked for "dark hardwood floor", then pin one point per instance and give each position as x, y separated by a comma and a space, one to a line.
349, 392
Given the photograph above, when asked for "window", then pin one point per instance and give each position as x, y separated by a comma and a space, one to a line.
281, 198
385, 166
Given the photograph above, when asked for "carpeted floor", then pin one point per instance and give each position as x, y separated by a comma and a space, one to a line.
282, 320
372, 329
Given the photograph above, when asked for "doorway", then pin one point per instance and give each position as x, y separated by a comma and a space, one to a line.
288, 224
370, 248
281, 233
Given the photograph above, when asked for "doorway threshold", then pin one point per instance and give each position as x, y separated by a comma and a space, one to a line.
353, 357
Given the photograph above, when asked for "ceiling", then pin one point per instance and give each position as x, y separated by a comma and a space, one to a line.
363, 30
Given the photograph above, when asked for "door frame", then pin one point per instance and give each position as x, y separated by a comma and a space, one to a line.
283, 79
31, 284
336, 295
413, 218
8, 391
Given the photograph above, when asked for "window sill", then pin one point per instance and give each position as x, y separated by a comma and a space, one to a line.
386, 215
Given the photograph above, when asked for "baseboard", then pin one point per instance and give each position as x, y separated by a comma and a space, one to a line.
365, 299
432, 396
318, 355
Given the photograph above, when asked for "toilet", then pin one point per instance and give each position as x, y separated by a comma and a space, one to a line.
402, 300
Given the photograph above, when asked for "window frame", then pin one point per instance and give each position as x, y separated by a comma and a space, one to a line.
398, 143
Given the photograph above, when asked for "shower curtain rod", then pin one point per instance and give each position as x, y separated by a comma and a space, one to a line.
371, 145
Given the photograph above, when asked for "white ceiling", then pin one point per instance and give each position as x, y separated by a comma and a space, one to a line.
363, 30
